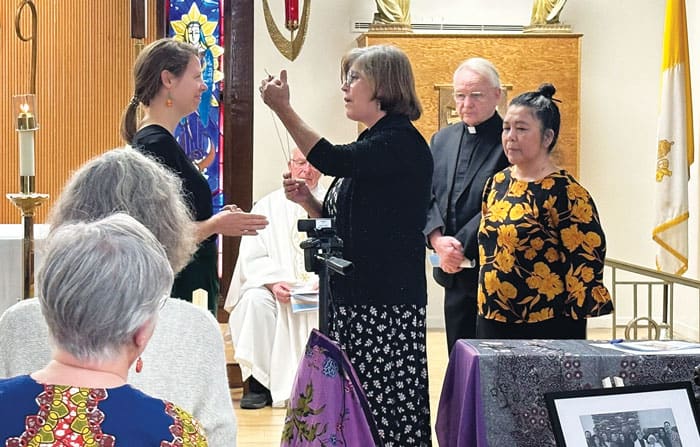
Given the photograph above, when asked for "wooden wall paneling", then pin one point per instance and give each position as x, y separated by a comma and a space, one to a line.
523, 60
85, 55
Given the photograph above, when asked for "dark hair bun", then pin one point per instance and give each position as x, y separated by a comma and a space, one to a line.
547, 90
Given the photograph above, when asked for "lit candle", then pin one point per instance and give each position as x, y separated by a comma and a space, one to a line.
25, 119
25, 127
291, 9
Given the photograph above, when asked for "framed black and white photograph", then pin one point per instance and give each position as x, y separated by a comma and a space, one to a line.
645, 415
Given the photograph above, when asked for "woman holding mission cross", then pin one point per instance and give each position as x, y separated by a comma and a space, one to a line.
379, 200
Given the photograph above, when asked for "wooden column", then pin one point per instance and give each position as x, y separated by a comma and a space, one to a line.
238, 120
138, 19
161, 19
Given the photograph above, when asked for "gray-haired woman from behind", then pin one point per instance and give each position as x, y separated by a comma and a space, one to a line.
190, 372
128, 181
100, 289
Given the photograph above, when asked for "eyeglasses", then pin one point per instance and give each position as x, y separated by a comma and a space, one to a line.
351, 77
299, 163
473, 96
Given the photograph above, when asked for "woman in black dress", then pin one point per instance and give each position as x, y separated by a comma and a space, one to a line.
168, 85
379, 200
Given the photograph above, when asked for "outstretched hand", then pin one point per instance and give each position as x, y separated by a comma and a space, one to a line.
232, 221
275, 91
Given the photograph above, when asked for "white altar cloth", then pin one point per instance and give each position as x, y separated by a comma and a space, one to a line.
11, 261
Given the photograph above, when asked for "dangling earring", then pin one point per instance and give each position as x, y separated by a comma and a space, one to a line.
139, 365
169, 101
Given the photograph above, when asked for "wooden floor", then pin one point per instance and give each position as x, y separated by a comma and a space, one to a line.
262, 428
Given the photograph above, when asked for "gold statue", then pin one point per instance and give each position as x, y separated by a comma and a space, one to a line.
546, 12
545, 17
392, 11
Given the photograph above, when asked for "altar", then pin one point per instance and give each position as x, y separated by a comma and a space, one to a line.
493, 392
11, 261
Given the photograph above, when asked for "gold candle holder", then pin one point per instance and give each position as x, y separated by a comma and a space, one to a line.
27, 200
27, 203
26, 125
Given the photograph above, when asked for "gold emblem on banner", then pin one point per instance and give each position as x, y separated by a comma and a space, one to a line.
289, 48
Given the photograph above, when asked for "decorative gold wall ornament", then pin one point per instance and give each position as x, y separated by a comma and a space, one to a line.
291, 47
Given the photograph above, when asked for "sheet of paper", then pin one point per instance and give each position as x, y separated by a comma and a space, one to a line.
466, 264
304, 299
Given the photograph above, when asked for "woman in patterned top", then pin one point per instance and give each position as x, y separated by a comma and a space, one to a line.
101, 287
541, 245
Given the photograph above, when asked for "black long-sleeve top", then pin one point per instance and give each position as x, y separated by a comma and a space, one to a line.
381, 211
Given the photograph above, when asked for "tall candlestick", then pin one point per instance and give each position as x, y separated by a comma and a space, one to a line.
291, 14
27, 123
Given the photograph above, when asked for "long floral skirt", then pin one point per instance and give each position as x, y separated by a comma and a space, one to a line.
386, 346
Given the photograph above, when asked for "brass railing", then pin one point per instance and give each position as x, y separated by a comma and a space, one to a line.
656, 285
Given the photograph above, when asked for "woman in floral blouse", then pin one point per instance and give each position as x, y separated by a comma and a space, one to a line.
541, 245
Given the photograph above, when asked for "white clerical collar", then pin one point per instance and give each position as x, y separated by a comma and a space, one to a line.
483, 126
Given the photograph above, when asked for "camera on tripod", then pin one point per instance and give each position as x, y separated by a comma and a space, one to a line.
322, 255
323, 248
321, 227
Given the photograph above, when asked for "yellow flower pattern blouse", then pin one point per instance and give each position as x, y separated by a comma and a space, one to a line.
541, 251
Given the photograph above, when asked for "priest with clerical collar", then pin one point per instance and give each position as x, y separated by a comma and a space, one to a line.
465, 155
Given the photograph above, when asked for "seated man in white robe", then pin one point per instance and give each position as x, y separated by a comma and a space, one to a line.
268, 337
